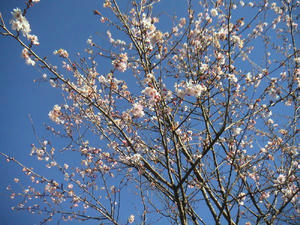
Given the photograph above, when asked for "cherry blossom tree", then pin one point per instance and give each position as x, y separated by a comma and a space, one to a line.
180, 112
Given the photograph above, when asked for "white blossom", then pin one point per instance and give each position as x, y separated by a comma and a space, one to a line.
194, 89
121, 62
55, 114
214, 12
137, 110
26, 56
131, 219
19, 22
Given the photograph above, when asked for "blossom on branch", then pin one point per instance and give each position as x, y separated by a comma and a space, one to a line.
19, 22
121, 62
26, 56
33, 39
62, 53
55, 114
131, 219
137, 110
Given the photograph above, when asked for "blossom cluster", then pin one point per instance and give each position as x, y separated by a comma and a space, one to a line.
26, 56
145, 29
137, 110
19, 22
153, 94
121, 62
61, 52
190, 89
55, 114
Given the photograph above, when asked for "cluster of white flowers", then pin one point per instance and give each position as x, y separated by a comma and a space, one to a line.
149, 78
191, 89
214, 12
19, 22
26, 56
134, 159
117, 42
237, 40
121, 62
152, 93
242, 197
33, 39
145, 27
87, 90
146, 21
137, 110
55, 114
61, 52
232, 77
204, 67
237, 131
281, 179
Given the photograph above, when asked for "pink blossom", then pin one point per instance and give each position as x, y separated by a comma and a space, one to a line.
151, 92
